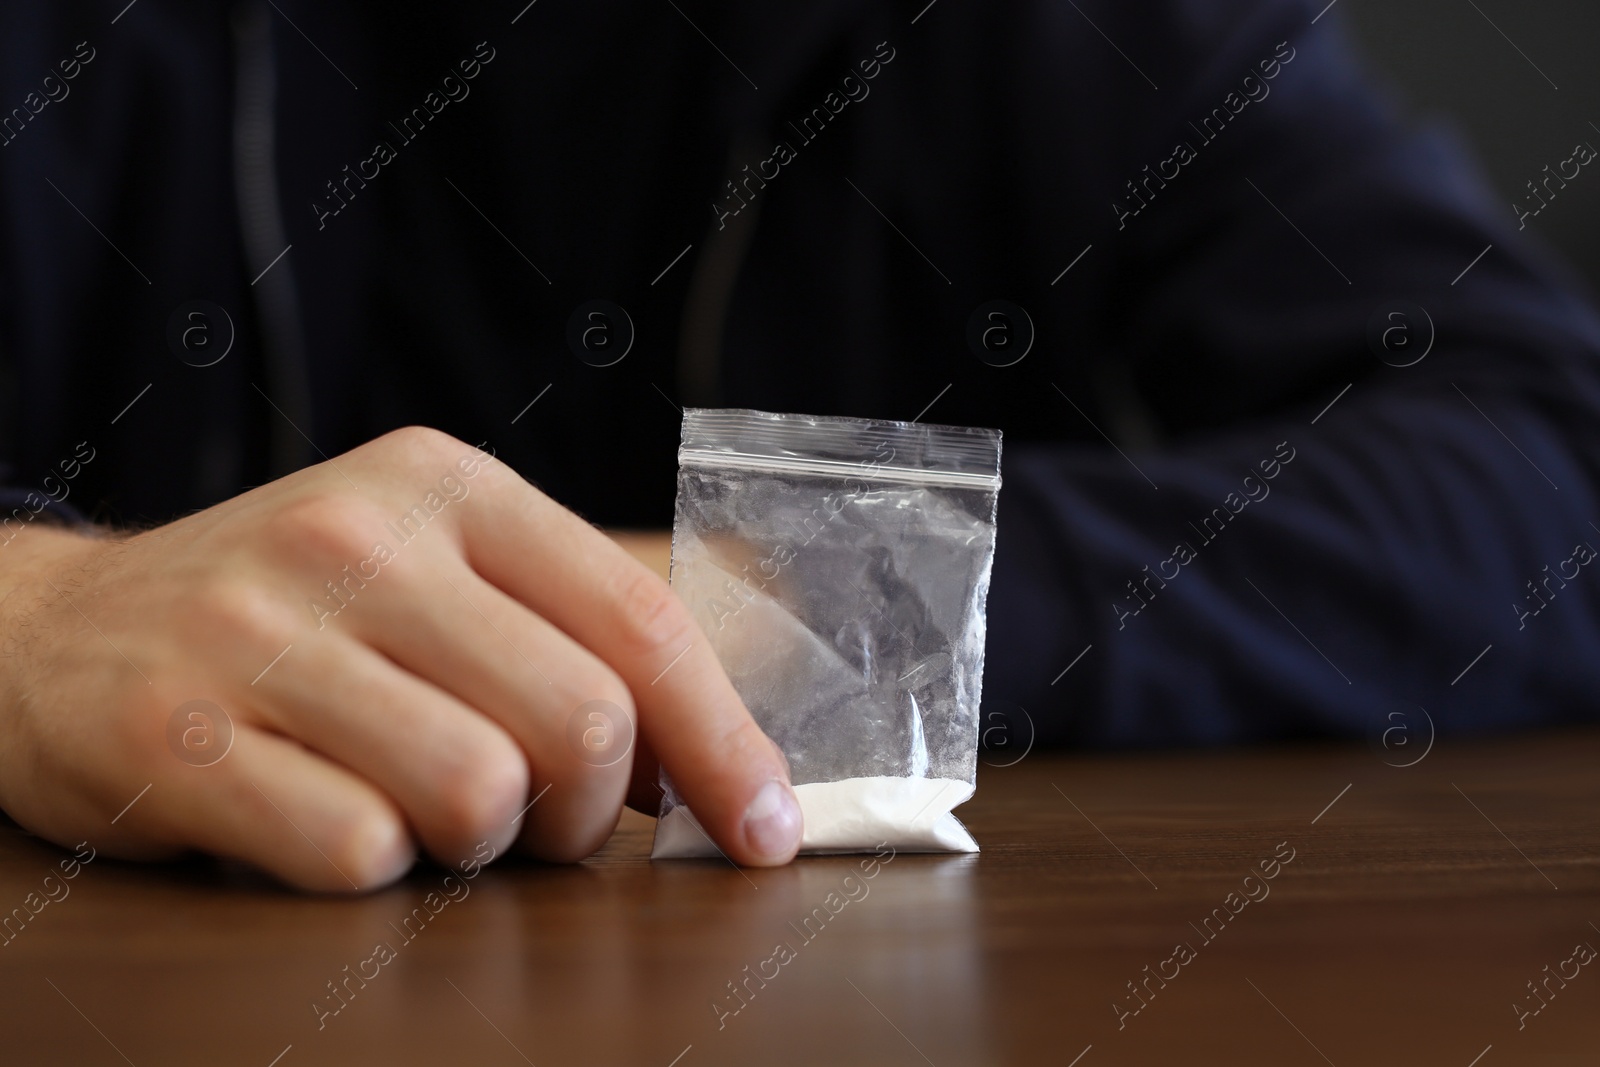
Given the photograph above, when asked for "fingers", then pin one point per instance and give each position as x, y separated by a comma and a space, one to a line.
561, 617
446, 624
689, 714
458, 777
276, 806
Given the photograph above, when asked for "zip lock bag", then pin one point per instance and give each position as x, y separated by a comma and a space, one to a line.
839, 568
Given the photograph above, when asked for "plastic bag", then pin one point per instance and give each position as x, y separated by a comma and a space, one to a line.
840, 569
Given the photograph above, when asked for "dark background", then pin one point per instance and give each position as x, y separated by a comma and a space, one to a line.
1449, 64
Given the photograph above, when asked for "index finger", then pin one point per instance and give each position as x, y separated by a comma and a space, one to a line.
721, 762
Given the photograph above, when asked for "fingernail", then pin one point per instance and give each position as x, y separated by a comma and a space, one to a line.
772, 821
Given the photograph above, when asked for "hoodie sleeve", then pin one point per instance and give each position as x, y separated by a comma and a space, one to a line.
1368, 492
21, 507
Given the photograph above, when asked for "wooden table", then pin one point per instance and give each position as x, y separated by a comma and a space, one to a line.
1418, 903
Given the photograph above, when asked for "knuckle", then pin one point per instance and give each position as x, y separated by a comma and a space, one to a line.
245, 615
327, 527
421, 444
649, 616
744, 744
591, 679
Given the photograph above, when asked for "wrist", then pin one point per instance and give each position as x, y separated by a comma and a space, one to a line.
38, 554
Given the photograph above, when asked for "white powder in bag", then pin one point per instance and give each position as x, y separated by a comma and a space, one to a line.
853, 815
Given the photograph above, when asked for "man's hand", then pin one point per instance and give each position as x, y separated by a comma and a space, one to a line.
405, 642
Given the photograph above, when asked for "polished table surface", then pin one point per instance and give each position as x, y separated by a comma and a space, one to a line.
1419, 903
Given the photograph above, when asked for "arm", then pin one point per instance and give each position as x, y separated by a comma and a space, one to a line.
386, 652
1400, 539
